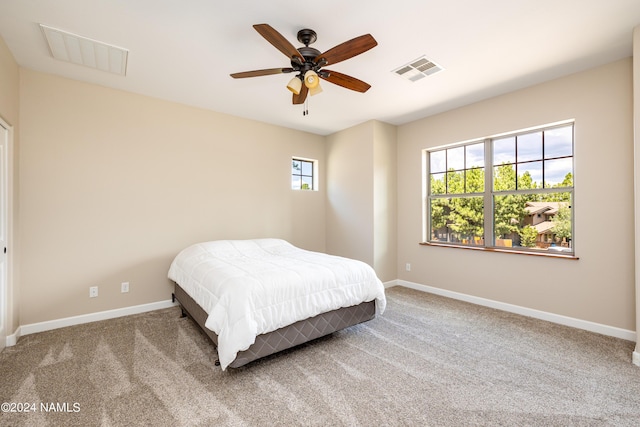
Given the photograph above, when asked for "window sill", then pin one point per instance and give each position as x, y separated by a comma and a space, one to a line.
504, 251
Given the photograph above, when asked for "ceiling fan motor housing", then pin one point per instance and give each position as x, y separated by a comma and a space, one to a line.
306, 37
309, 54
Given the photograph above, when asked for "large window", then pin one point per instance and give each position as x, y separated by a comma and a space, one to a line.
511, 192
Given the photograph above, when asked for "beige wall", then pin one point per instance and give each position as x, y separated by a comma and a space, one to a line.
8, 85
9, 111
599, 287
385, 209
361, 195
113, 185
349, 219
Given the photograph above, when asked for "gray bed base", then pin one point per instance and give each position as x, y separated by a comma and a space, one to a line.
286, 337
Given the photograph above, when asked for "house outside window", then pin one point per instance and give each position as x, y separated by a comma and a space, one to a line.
512, 192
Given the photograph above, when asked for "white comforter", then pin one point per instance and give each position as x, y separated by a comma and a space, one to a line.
251, 287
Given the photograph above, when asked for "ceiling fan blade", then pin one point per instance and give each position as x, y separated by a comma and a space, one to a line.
278, 41
299, 99
345, 81
257, 73
347, 50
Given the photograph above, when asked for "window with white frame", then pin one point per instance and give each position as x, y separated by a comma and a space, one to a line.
303, 174
513, 192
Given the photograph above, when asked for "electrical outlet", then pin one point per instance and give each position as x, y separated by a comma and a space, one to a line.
124, 287
93, 292
408, 267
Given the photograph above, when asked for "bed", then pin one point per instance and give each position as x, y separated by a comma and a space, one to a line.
256, 297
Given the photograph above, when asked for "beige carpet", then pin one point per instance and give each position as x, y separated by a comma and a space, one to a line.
428, 361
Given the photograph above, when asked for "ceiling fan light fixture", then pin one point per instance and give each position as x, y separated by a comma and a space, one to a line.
315, 90
311, 79
294, 85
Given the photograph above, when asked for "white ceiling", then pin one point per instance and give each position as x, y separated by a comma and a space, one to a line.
184, 50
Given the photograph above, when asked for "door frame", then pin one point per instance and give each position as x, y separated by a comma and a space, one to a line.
6, 180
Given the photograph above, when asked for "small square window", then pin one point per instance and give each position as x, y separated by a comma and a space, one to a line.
303, 174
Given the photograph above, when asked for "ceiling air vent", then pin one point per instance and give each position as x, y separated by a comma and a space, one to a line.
417, 69
79, 50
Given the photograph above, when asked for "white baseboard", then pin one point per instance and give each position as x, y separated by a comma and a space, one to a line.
12, 339
635, 358
85, 318
390, 284
529, 312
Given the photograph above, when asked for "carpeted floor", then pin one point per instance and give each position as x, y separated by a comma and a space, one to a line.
428, 361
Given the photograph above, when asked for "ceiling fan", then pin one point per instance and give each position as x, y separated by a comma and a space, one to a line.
308, 62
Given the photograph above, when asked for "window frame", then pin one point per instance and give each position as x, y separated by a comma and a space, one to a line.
488, 238
301, 175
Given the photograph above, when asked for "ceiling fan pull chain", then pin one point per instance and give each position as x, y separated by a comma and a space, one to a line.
305, 111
